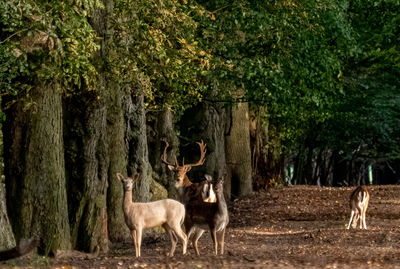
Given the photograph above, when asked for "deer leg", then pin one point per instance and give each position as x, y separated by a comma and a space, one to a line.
173, 238
355, 220
351, 218
363, 215
360, 213
139, 239
134, 238
213, 232
178, 231
221, 239
198, 233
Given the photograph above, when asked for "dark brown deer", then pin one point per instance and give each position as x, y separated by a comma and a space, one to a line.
202, 215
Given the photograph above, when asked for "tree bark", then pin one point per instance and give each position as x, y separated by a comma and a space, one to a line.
204, 122
87, 169
136, 143
34, 169
267, 160
88, 159
163, 129
7, 240
117, 229
118, 164
238, 153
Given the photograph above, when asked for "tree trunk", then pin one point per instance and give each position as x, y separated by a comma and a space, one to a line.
267, 161
204, 122
87, 169
136, 137
34, 169
117, 228
118, 164
88, 159
238, 153
7, 240
163, 129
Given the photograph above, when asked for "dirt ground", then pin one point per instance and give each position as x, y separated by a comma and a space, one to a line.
290, 227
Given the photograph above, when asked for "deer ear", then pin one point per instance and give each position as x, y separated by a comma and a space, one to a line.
171, 167
188, 168
120, 176
136, 176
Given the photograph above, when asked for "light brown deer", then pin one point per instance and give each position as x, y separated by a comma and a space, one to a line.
359, 199
167, 213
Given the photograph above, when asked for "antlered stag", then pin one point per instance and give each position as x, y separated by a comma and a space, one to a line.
193, 193
187, 189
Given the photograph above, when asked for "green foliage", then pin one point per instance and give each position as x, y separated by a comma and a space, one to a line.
364, 123
155, 48
284, 55
41, 41
323, 70
325, 65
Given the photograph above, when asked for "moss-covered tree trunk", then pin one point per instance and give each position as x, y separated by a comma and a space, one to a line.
164, 129
117, 229
88, 159
87, 169
204, 122
238, 153
7, 240
136, 143
34, 169
118, 164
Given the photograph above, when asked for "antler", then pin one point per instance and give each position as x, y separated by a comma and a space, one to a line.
200, 162
164, 156
202, 154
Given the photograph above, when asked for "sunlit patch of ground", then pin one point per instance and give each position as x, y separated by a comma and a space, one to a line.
291, 227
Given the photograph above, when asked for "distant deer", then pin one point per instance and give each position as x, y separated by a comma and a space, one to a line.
213, 215
358, 203
168, 213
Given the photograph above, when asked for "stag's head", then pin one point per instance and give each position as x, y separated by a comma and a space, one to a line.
180, 171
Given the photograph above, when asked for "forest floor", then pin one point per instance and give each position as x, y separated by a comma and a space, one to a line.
290, 227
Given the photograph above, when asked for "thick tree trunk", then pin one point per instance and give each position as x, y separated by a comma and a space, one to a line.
7, 240
238, 153
118, 164
34, 169
87, 169
116, 136
164, 129
88, 157
136, 137
204, 122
